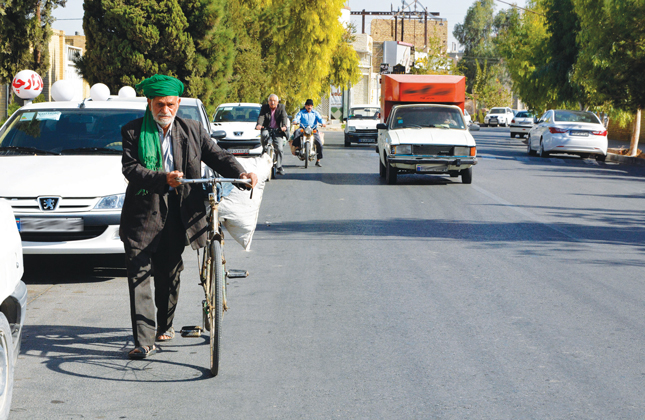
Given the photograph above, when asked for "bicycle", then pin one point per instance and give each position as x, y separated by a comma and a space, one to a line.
213, 272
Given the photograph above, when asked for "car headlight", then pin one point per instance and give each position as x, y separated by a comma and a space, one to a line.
403, 149
110, 202
461, 151
351, 128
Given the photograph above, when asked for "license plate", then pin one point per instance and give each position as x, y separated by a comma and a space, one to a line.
366, 140
579, 133
425, 168
493, 121
35, 224
239, 151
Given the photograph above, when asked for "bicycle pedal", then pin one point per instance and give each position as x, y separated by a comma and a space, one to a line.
191, 331
237, 274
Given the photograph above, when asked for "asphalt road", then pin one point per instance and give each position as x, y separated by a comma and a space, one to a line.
520, 296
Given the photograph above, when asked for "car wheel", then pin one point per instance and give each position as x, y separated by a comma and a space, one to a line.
601, 158
6, 367
467, 175
512, 135
347, 142
541, 151
381, 168
390, 174
530, 151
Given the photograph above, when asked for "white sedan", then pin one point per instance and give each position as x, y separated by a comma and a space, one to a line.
239, 120
522, 123
573, 132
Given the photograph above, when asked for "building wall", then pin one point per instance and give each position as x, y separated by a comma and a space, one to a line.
413, 31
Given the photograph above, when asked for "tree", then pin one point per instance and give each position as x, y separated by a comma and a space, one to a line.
344, 67
611, 54
437, 60
130, 40
25, 32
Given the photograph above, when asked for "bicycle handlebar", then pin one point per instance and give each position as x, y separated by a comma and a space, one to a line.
208, 180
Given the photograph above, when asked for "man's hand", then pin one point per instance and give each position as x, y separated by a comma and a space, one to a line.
253, 177
283, 129
171, 178
258, 127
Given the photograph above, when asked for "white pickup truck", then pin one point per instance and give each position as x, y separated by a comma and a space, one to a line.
426, 139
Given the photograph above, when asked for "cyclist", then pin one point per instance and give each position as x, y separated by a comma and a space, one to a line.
308, 117
273, 115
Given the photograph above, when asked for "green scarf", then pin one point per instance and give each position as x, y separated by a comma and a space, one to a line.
150, 153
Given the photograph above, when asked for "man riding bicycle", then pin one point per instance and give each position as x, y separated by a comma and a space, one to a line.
273, 116
308, 117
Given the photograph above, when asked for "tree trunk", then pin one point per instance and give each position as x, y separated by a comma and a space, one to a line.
636, 133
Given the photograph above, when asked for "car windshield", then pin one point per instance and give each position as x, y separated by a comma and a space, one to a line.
364, 113
189, 112
575, 116
498, 111
237, 114
66, 131
524, 114
427, 116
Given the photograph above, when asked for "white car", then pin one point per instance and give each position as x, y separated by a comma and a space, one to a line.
572, 132
522, 123
499, 116
13, 303
239, 120
64, 160
360, 125
467, 118
426, 139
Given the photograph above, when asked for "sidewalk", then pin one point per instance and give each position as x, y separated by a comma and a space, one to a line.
618, 144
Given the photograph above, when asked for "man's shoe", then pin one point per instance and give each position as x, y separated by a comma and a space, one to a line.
318, 164
280, 171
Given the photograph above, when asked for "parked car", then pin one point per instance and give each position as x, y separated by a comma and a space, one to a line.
13, 298
522, 123
360, 125
571, 132
67, 187
498, 116
467, 118
239, 120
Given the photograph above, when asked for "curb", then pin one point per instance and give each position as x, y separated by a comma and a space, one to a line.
612, 157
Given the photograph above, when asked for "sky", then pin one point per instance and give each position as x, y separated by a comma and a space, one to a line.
453, 10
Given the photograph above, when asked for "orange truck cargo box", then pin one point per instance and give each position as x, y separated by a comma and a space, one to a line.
397, 89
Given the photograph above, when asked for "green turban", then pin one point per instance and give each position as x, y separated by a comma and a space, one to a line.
150, 153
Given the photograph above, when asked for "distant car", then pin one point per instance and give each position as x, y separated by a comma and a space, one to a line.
522, 123
239, 120
467, 118
13, 298
498, 116
360, 126
572, 132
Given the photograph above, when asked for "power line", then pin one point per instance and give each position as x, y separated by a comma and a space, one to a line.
522, 8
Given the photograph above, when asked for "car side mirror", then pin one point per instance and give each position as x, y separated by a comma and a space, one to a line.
536, 120
218, 134
381, 126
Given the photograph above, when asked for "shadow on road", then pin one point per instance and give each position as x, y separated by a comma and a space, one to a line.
101, 353
52, 269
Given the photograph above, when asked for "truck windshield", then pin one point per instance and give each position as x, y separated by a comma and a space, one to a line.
66, 131
363, 113
427, 116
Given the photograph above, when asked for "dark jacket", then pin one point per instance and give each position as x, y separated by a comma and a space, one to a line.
143, 216
281, 117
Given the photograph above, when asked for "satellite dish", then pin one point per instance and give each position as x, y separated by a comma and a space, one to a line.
63, 90
127, 92
27, 84
99, 92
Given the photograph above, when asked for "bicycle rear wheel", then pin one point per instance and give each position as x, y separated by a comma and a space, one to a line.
216, 310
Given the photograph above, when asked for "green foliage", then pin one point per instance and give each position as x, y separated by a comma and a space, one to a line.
130, 40
488, 90
436, 62
25, 32
344, 70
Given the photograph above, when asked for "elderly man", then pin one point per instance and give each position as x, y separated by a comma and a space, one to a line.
274, 116
308, 117
159, 218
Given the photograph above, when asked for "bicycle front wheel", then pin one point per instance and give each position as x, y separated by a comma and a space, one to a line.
216, 310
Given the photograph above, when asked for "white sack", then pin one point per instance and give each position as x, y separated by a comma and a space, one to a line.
238, 213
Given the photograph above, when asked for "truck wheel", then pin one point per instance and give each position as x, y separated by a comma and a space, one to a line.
467, 175
390, 174
381, 168
6, 367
